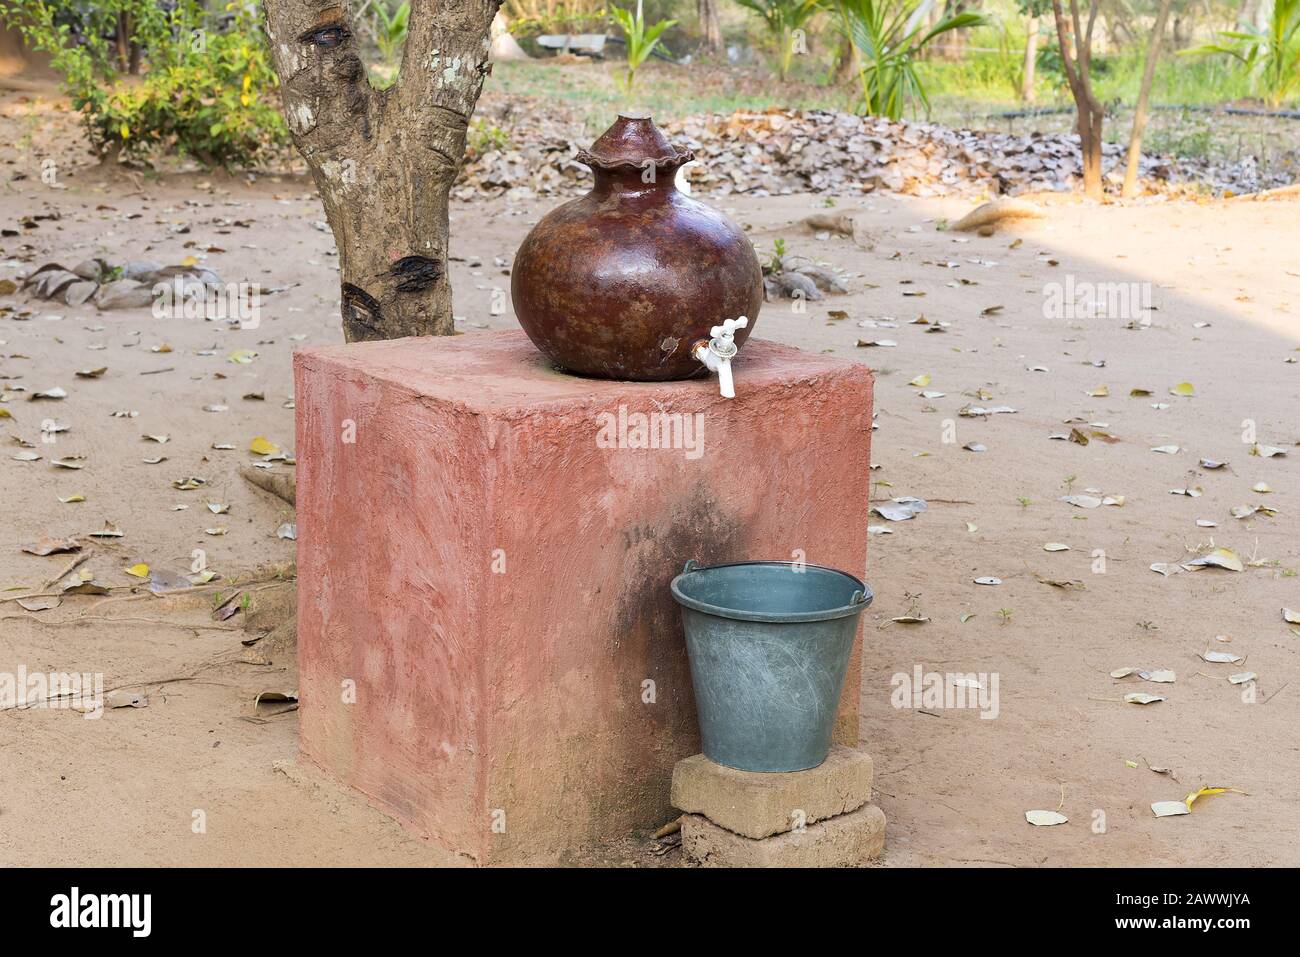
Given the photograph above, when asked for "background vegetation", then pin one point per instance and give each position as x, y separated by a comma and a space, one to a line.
194, 76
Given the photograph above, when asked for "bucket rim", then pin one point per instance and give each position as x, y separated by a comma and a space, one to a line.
793, 617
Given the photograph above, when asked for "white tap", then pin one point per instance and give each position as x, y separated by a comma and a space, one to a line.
717, 353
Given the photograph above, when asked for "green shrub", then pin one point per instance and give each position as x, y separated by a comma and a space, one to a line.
210, 93
639, 39
1269, 56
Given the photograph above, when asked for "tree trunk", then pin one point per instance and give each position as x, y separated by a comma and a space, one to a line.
952, 45
123, 42
1140, 112
384, 161
1076, 65
848, 62
1183, 30
1027, 71
710, 25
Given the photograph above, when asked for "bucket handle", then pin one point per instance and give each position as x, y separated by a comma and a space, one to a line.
858, 598
690, 566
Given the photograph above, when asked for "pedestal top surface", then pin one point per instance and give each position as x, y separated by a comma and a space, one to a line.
503, 370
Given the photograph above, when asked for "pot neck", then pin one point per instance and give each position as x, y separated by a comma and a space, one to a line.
630, 182
634, 158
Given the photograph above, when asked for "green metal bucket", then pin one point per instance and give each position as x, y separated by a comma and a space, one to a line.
769, 646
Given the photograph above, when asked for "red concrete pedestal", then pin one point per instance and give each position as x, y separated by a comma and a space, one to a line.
486, 639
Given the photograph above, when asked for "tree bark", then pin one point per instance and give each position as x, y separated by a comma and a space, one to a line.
710, 25
1076, 65
1140, 112
384, 161
952, 45
848, 62
1030, 65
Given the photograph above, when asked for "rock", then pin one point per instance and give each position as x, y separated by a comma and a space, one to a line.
92, 269
142, 270
847, 840
35, 277
757, 805
79, 292
124, 294
54, 282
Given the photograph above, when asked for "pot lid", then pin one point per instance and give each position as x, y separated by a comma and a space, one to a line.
633, 140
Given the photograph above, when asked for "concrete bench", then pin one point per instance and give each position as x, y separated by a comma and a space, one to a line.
586, 44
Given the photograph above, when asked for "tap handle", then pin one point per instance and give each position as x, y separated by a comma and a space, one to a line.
729, 327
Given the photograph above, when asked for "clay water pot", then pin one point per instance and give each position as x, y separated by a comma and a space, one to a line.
622, 282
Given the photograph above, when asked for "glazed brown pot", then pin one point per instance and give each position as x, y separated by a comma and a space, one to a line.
621, 283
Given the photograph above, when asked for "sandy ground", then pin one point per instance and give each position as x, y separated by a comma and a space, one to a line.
125, 789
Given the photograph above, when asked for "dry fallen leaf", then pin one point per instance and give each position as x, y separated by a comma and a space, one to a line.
1082, 501
900, 509
1141, 697
52, 546
1219, 558
1045, 818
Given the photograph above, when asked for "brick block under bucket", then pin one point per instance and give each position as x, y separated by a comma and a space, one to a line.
769, 646
488, 647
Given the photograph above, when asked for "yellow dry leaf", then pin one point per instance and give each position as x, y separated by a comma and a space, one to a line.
1183, 389
1100, 392
262, 446
139, 571
243, 356
921, 380
78, 497
1205, 791
189, 261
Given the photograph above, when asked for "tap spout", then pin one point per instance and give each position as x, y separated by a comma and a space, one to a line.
716, 353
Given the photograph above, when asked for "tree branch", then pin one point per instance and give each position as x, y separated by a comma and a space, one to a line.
1062, 30
446, 58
